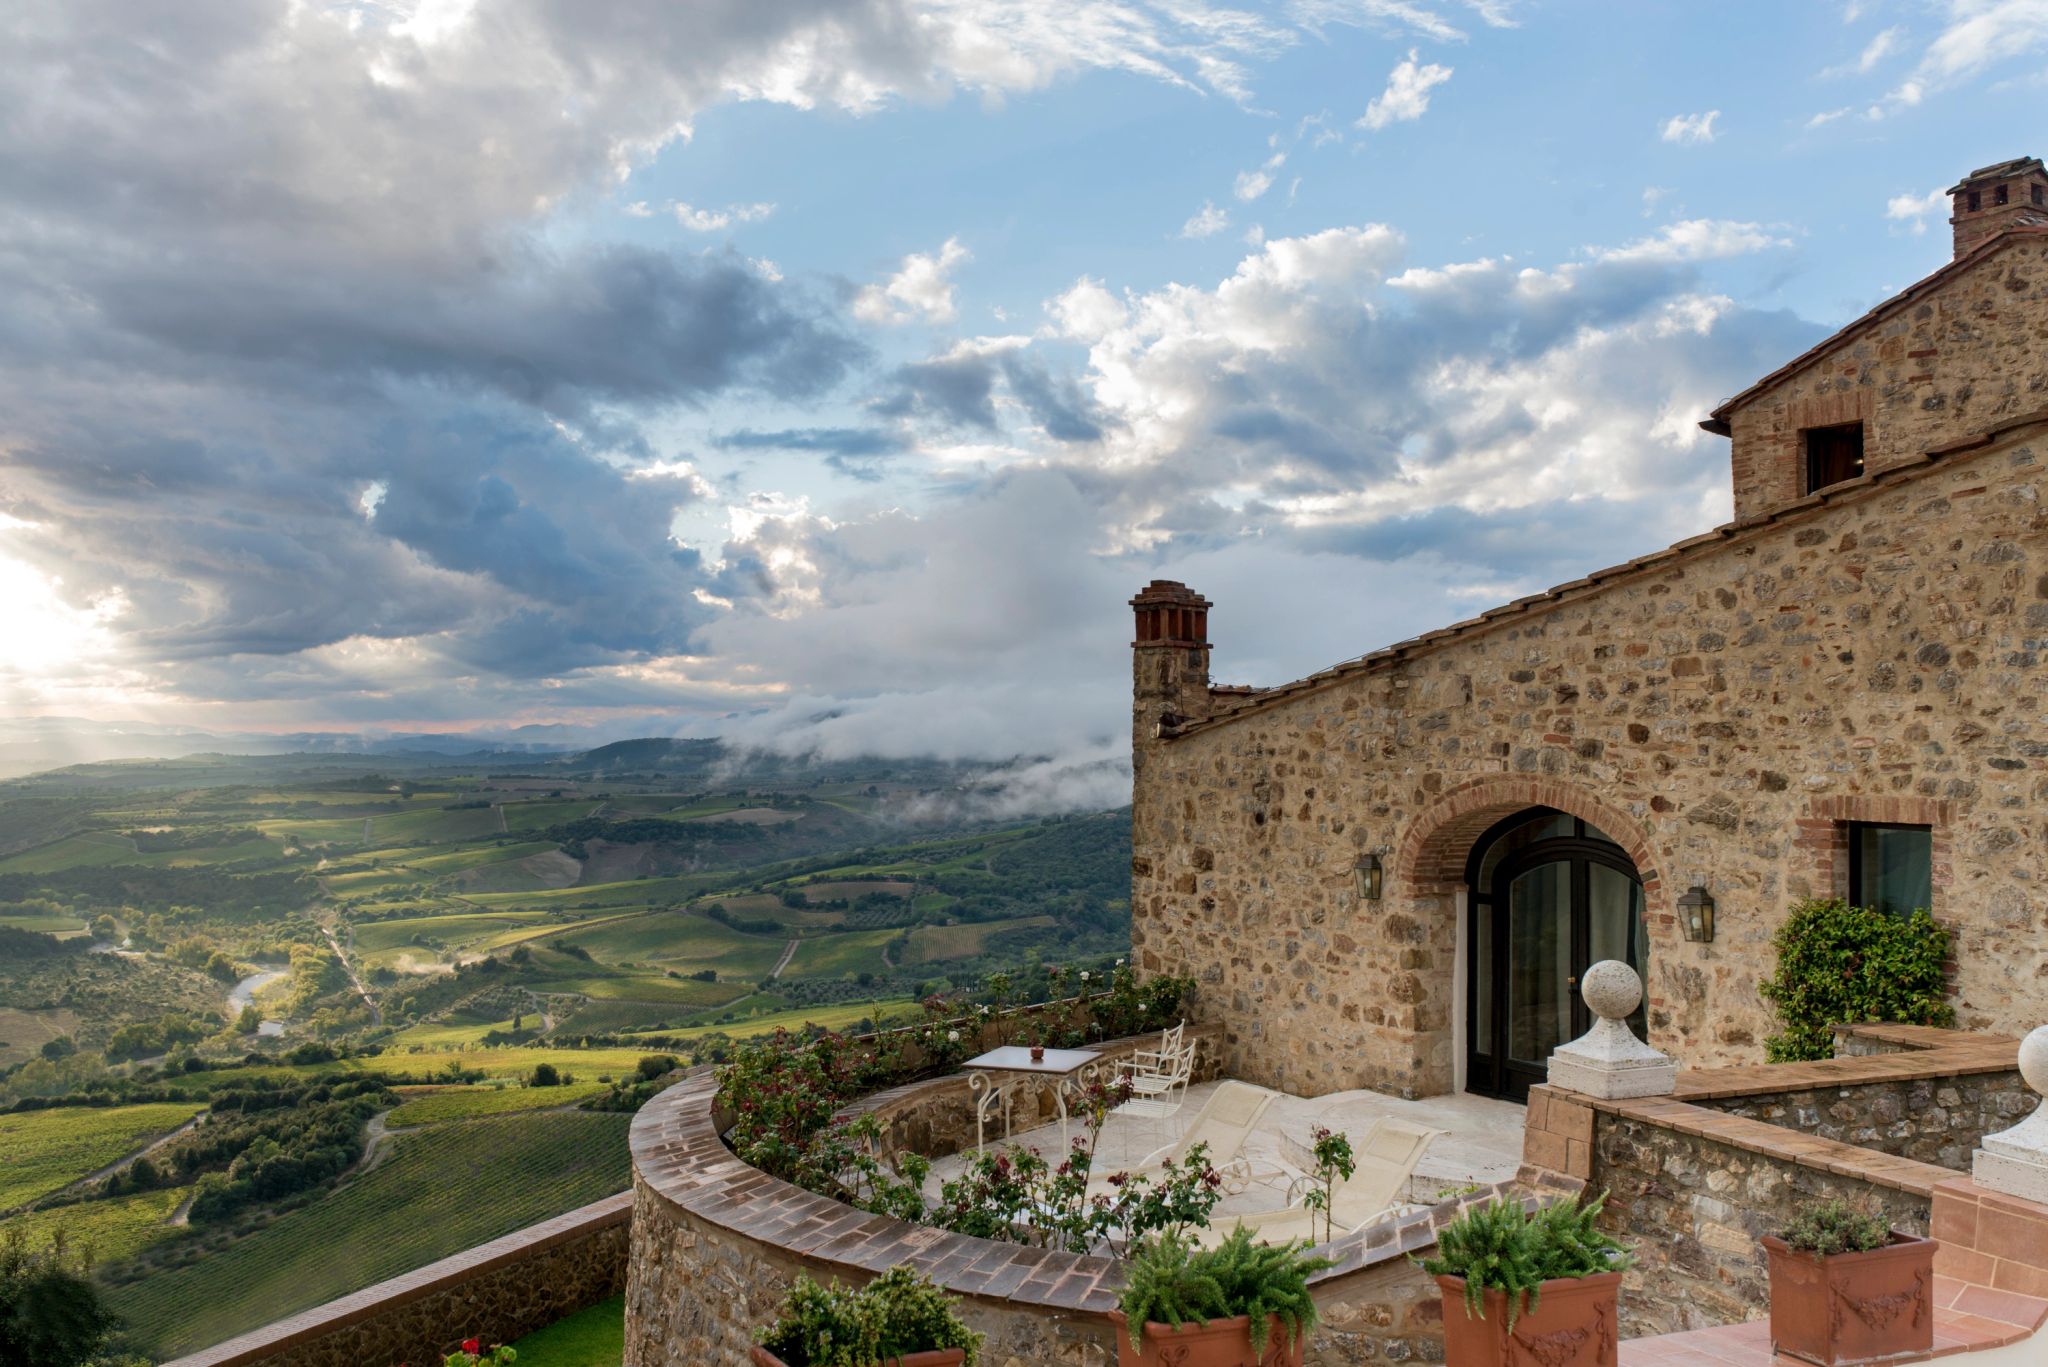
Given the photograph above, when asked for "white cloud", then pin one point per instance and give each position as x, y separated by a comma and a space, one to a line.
1914, 209
717, 220
1406, 97
920, 288
1875, 51
1653, 195
1251, 184
1691, 129
1695, 239
1206, 222
1828, 116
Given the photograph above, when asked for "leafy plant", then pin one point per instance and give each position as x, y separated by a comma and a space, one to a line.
1839, 964
474, 1354
1168, 1282
1825, 1228
1334, 1163
898, 1312
1501, 1246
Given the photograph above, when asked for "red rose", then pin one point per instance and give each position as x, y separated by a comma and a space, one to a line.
472, 1346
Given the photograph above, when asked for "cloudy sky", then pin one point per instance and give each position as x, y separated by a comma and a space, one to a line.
829, 372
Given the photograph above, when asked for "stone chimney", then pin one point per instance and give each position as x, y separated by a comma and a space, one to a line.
2012, 194
1169, 659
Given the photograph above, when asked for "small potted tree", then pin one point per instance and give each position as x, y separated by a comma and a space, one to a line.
1520, 1284
900, 1319
1217, 1308
1847, 1288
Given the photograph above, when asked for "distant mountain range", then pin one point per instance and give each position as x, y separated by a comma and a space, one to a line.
28, 745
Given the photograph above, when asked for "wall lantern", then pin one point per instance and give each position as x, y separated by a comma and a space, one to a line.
1367, 872
1696, 914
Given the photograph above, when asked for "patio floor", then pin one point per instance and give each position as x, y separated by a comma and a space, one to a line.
1481, 1143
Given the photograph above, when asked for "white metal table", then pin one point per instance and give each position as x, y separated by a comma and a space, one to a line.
993, 1078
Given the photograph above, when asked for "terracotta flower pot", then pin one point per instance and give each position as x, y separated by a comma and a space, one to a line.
1224, 1343
1038, 1053
1853, 1307
1572, 1325
937, 1357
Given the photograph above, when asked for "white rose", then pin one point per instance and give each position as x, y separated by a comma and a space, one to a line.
953, 1036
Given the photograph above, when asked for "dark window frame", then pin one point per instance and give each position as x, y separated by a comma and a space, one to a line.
1854, 830
2040, 196
1813, 457
2001, 195
1974, 201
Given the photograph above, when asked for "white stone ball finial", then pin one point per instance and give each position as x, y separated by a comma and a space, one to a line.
1612, 990
1608, 1060
2034, 1059
2015, 1161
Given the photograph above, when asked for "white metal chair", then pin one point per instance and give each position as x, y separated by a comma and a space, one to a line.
1159, 1087
1225, 1121
1386, 1159
1156, 1060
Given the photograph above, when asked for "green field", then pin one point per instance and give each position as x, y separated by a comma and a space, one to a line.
443, 1190
63, 927
431, 1106
535, 816
434, 824
837, 956
97, 848
49, 1150
449, 1035
113, 1229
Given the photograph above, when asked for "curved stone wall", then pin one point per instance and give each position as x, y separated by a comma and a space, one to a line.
716, 1242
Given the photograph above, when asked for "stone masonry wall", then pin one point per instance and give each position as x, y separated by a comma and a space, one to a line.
1694, 1208
497, 1292
1935, 1120
1719, 708
1967, 354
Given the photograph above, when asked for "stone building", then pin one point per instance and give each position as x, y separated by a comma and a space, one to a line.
1389, 874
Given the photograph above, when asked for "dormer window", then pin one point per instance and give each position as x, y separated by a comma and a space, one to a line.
1833, 454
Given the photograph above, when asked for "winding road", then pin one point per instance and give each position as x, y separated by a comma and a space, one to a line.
376, 1011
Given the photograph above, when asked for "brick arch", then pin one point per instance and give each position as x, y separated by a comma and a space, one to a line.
1431, 858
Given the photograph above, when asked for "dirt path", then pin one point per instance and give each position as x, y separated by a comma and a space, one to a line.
376, 1011
788, 953
118, 1164
499, 809
366, 831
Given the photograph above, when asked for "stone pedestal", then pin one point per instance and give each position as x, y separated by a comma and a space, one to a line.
1608, 1061
2015, 1161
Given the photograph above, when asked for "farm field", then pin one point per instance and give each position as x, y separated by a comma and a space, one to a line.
933, 944
23, 1033
434, 1105
49, 1150
441, 1191
115, 1228
837, 1017
835, 956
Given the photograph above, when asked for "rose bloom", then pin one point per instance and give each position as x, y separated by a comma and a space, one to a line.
953, 1036
472, 1346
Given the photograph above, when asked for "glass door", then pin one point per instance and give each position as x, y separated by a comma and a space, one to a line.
1551, 895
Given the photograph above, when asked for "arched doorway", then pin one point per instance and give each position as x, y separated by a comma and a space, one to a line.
1549, 895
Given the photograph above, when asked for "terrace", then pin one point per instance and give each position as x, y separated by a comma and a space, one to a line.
707, 1242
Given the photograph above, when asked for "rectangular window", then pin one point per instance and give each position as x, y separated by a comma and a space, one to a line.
2040, 196
1891, 868
1998, 196
1833, 454
1974, 202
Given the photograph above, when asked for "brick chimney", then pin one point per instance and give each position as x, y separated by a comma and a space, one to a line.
1169, 659
1989, 200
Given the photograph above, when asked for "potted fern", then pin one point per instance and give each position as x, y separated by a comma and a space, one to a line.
900, 1319
1216, 1308
1536, 1284
1831, 1255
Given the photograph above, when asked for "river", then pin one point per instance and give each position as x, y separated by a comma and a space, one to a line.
245, 993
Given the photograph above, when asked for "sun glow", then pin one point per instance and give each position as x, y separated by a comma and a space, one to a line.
43, 637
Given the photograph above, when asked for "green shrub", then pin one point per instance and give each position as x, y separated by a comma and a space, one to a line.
1839, 964
898, 1312
1501, 1246
1825, 1228
1167, 1282
50, 1311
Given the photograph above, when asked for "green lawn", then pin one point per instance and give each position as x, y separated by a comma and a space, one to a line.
49, 1150
445, 1189
592, 1337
